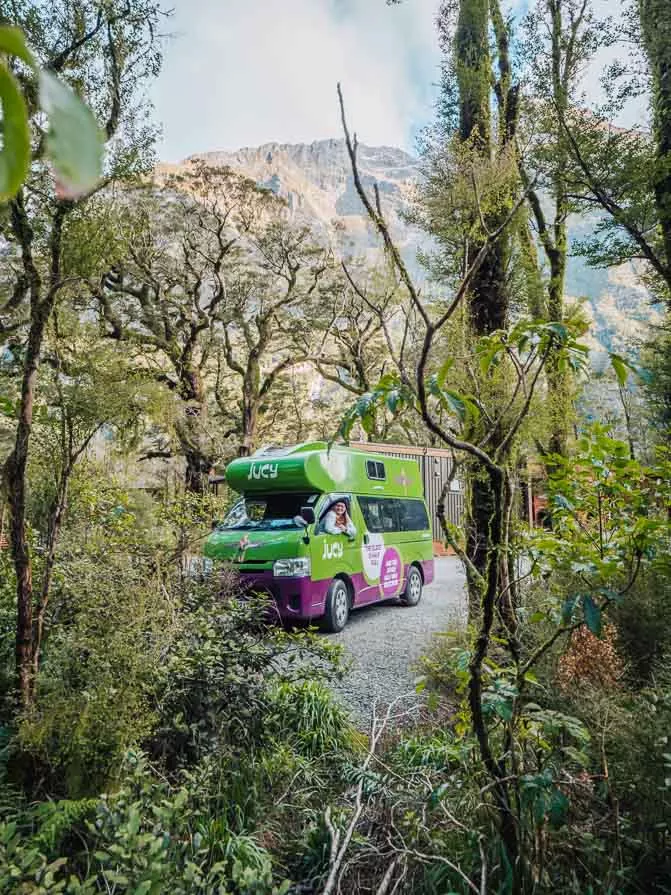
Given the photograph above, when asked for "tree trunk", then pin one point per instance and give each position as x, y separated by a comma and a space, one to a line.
196, 475
559, 382
251, 388
558, 379
250, 419
655, 17
189, 430
488, 297
495, 489
198, 462
15, 478
56, 513
15, 468
473, 70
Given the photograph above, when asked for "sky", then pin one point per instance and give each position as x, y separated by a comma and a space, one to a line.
246, 72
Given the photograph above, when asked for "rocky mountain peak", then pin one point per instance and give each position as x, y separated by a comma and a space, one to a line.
316, 181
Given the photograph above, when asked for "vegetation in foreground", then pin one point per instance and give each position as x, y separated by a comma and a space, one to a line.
158, 733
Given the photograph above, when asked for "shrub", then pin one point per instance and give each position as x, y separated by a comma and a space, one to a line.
306, 715
148, 837
644, 623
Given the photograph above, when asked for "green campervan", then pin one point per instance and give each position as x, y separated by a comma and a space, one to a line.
281, 535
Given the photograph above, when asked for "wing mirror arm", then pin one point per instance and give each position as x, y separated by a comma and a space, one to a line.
308, 516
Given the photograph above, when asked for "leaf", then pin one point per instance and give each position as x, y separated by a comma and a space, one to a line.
558, 808
489, 358
456, 404
143, 888
437, 794
567, 610
445, 368
394, 399
15, 154
74, 142
420, 684
13, 42
645, 375
560, 501
592, 615
558, 329
620, 366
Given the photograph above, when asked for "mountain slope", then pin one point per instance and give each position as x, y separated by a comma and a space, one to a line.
316, 181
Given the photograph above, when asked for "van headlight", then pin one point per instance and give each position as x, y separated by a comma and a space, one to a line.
292, 568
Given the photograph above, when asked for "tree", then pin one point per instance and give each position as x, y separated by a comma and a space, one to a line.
266, 322
470, 183
484, 433
570, 35
85, 389
622, 170
170, 290
353, 331
655, 18
104, 53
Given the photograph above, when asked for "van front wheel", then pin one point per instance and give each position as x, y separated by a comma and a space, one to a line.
337, 607
413, 588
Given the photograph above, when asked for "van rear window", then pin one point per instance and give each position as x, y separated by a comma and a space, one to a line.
389, 514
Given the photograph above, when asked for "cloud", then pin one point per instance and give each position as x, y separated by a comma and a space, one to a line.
245, 72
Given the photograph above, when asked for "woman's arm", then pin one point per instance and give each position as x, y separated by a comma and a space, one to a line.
351, 528
330, 526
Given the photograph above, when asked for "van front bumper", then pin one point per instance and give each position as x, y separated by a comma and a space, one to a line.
300, 599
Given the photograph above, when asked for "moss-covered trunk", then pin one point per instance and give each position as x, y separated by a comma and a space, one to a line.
488, 295
655, 17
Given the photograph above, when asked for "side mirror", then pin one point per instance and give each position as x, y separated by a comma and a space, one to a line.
215, 522
308, 514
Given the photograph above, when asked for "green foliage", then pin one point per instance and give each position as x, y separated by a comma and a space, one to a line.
499, 356
643, 623
148, 837
608, 517
305, 715
73, 143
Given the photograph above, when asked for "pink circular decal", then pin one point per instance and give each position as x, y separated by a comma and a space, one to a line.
390, 572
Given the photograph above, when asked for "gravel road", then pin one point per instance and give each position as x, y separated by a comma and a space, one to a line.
384, 641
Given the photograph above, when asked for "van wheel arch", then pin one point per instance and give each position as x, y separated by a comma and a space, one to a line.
343, 576
418, 566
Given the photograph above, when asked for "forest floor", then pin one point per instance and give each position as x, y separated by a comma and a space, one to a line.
384, 643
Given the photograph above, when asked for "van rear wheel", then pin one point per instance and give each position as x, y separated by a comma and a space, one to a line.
413, 588
337, 607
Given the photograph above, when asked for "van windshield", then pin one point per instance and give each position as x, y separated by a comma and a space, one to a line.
267, 511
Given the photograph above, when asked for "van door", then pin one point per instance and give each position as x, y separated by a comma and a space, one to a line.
382, 559
337, 554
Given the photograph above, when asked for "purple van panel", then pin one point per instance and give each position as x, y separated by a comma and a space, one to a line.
428, 570
304, 599
298, 598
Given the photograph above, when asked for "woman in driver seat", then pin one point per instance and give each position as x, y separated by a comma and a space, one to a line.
337, 521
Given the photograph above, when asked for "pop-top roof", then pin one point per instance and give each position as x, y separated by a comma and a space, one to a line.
316, 467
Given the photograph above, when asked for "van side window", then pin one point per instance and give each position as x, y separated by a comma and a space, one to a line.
412, 515
385, 514
375, 470
379, 513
